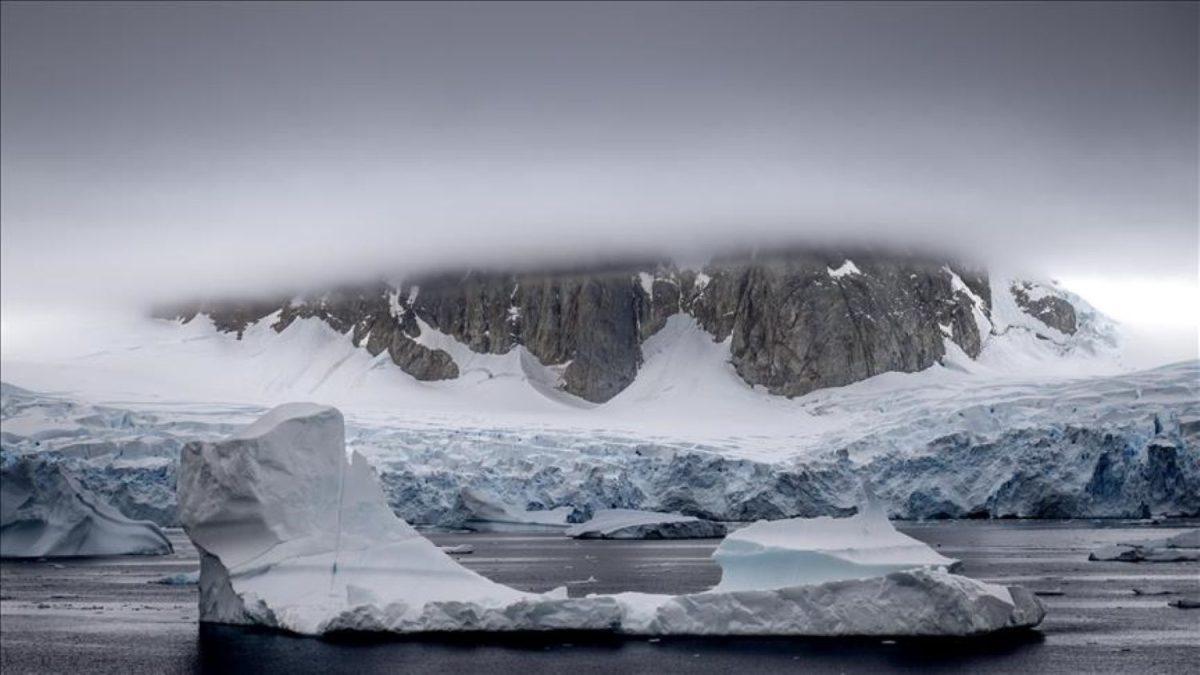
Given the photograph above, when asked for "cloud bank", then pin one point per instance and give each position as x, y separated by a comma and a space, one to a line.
158, 151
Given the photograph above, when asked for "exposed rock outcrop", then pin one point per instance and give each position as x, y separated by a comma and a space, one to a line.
1050, 309
800, 323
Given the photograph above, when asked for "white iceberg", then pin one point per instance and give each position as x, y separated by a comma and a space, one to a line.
804, 551
635, 524
294, 535
45, 513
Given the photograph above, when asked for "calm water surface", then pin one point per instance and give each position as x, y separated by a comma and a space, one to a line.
103, 615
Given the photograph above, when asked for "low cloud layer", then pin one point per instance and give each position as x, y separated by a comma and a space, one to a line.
158, 151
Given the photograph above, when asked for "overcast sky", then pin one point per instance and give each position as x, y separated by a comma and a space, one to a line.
156, 150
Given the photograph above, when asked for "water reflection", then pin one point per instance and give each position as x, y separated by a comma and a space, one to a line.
232, 649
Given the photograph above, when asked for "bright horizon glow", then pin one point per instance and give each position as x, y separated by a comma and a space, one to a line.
1160, 315
1145, 301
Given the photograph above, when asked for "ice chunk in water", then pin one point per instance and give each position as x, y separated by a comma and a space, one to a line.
802, 551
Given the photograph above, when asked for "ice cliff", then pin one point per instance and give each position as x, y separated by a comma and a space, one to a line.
295, 534
929, 445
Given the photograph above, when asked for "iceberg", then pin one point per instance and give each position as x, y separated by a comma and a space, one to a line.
487, 513
296, 535
1183, 547
45, 513
293, 534
635, 524
804, 551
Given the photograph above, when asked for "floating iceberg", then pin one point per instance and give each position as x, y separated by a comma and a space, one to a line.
1183, 547
45, 513
487, 513
635, 524
805, 551
293, 534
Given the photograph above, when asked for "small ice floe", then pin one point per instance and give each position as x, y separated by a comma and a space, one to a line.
1183, 547
460, 549
802, 551
1152, 590
634, 524
181, 579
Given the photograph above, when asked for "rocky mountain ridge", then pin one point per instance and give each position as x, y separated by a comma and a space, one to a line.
796, 321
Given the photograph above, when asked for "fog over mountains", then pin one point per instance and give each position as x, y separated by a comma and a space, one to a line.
153, 153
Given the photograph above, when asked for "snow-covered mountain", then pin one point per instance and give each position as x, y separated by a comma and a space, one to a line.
1033, 416
1017, 404
791, 322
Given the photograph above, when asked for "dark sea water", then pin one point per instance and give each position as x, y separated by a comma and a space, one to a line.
103, 615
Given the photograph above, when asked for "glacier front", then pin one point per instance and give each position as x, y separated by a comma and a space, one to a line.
295, 535
45, 513
930, 445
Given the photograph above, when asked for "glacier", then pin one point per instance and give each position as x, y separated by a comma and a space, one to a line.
44, 513
295, 534
934, 444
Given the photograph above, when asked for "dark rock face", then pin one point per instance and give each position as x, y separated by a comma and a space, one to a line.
796, 321
797, 327
1051, 310
588, 320
364, 313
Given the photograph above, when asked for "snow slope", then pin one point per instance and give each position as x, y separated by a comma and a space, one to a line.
293, 534
686, 387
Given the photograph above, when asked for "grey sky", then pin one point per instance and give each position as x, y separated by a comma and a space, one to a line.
151, 150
